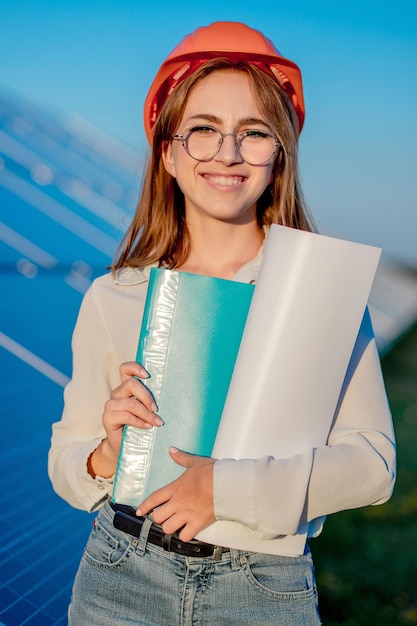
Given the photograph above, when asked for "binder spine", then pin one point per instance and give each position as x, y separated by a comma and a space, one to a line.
137, 444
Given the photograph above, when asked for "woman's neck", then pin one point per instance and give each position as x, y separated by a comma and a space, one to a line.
221, 250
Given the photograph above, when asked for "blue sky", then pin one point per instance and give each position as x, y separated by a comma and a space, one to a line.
359, 60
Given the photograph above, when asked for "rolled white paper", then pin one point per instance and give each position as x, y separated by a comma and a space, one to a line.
305, 315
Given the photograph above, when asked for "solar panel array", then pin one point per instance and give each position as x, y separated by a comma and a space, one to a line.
66, 197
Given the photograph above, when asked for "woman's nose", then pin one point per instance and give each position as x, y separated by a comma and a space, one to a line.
229, 152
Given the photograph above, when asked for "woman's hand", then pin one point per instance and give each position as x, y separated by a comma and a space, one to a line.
131, 404
187, 502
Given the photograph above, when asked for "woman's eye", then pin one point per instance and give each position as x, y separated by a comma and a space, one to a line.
255, 134
203, 130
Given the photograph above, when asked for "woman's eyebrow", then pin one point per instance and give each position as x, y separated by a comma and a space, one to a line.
207, 117
246, 121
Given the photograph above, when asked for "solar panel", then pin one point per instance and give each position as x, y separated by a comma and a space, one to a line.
65, 201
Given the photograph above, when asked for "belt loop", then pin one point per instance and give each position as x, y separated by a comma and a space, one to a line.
143, 537
167, 542
235, 559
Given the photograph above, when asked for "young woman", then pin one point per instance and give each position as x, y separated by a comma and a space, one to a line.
223, 116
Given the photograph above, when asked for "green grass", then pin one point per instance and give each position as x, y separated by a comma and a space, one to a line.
366, 559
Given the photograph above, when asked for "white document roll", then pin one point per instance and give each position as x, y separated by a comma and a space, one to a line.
305, 315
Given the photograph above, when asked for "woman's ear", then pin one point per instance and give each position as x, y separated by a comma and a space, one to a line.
168, 159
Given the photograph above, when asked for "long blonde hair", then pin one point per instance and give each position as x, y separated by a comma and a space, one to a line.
158, 231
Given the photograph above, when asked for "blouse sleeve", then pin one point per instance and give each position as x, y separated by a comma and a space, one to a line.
355, 468
95, 374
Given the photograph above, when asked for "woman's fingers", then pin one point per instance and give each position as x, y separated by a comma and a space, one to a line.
130, 404
133, 387
130, 411
131, 368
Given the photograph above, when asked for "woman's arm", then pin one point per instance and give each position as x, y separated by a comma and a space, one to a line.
355, 468
101, 397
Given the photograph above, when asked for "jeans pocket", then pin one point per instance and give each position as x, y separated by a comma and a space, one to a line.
105, 547
289, 578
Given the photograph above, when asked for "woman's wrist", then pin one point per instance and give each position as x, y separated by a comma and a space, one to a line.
102, 462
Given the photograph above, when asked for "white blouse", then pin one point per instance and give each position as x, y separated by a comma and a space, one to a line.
355, 468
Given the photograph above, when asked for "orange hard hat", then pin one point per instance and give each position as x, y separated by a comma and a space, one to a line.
234, 41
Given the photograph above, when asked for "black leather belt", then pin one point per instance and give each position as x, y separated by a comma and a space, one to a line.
126, 520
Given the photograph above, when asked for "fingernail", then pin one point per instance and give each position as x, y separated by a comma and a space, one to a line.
144, 373
139, 512
158, 421
173, 449
154, 407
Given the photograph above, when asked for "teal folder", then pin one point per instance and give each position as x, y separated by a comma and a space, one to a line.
190, 336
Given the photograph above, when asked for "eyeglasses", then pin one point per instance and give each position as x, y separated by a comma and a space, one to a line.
202, 143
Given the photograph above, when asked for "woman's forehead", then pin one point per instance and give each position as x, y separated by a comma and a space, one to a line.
223, 94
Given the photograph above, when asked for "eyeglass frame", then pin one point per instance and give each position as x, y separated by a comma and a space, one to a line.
184, 141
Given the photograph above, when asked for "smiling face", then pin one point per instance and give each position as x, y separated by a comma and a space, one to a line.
226, 188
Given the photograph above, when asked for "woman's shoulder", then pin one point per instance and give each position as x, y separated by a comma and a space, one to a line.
116, 297
127, 282
123, 277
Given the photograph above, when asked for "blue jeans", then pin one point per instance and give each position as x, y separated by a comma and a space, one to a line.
123, 580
